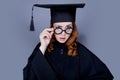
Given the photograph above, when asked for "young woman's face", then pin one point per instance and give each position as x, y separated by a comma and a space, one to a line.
62, 31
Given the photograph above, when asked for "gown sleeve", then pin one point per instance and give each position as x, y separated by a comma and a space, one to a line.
92, 68
38, 68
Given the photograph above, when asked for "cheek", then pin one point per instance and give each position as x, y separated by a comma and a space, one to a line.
56, 36
67, 36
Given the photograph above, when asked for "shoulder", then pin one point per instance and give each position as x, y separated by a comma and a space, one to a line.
88, 56
31, 57
83, 50
34, 52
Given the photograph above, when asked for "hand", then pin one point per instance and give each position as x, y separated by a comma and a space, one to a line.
45, 37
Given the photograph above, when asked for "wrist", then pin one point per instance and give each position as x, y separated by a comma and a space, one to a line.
43, 49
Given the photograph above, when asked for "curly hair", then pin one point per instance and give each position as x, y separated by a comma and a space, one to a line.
70, 43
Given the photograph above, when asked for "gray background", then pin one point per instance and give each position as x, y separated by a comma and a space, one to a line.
98, 25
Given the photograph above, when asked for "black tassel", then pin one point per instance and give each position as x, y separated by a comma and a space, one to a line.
32, 22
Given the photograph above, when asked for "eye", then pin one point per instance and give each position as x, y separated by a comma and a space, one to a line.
68, 27
58, 30
58, 27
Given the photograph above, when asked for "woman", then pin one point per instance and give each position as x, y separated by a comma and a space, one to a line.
60, 57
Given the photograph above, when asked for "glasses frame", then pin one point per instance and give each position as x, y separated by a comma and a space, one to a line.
63, 30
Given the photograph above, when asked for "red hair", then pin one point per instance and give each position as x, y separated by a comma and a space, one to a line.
70, 43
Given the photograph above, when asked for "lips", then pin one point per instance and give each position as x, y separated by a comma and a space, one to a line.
62, 38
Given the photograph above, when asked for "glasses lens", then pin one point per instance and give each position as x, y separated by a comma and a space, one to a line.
69, 29
58, 30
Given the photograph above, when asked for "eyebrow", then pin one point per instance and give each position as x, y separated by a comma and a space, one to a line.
61, 26
69, 25
58, 26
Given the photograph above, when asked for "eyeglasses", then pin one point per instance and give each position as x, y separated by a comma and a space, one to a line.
68, 30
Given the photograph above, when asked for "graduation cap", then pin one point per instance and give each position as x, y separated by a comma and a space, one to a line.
59, 12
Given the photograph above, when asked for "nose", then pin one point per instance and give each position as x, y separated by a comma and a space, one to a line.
63, 33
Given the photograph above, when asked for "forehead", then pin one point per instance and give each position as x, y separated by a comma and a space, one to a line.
62, 23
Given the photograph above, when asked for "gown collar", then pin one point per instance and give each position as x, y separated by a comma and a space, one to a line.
59, 45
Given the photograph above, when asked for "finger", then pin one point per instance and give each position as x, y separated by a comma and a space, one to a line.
48, 32
45, 37
51, 33
48, 35
49, 29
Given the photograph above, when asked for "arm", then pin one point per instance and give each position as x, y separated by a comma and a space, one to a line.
38, 68
28, 74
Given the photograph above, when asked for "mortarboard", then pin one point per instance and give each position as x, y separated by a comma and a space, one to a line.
59, 12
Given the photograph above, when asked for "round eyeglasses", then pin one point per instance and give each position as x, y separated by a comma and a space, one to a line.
59, 30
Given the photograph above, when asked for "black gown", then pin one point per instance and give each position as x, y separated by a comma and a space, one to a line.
59, 66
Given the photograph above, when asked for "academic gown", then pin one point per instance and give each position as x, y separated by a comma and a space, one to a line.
59, 66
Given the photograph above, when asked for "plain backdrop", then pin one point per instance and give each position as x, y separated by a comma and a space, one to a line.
98, 25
